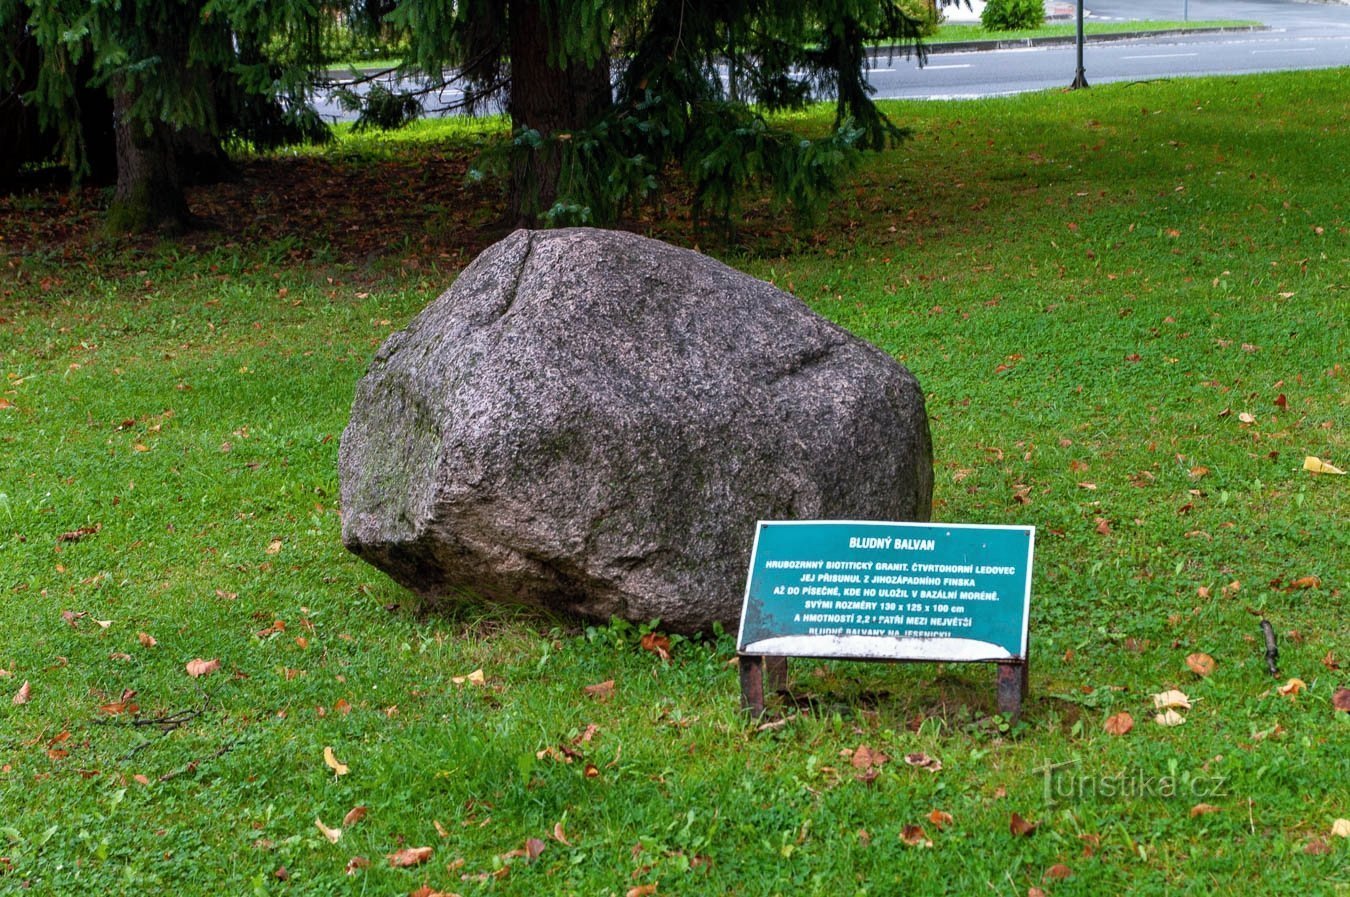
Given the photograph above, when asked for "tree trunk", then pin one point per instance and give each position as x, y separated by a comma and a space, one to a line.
149, 194
550, 100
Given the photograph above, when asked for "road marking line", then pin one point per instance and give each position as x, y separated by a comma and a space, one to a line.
1289, 50
964, 65
1161, 56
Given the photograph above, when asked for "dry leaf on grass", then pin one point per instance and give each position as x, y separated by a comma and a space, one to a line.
657, 644
1058, 872
1169, 717
1313, 464
923, 761
1171, 700
640, 891
23, 694
355, 815
196, 668
1119, 724
1203, 810
1291, 688
1021, 828
1341, 828
1200, 664
865, 757
409, 856
915, 836
332, 762
474, 678
940, 819
601, 691
1341, 700
333, 835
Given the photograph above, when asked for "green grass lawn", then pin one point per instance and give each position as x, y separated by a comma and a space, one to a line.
1128, 307
953, 32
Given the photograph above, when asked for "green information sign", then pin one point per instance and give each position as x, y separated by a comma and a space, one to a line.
888, 591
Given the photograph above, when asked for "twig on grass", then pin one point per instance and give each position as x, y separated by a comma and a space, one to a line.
192, 766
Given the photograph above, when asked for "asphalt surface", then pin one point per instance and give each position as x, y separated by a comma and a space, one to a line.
1297, 35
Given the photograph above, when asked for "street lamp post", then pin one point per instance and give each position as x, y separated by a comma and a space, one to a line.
1079, 76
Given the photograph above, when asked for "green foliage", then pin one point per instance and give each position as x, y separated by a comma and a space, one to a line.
1012, 15
380, 107
197, 66
671, 104
925, 13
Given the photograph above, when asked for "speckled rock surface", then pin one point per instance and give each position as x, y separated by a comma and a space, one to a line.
593, 421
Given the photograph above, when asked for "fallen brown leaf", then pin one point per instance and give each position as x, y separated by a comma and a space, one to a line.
864, 757
197, 667
146, 639
1291, 688
657, 644
1203, 810
915, 836
333, 835
22, 696
940, 819
559, 835
331, 761
1171, 699
1020, 827
1313, 464
1119, 724
1341, 700
409, 856
640, 891
355, 864
1200, 664
1341, 828
601, 691
923, 761
355, 815
1058, 872
477, 677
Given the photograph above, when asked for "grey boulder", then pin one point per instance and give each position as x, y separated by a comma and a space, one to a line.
593, 422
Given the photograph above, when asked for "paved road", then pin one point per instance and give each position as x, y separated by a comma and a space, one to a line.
1300, 36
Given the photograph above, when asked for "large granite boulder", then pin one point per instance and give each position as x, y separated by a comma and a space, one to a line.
593, 422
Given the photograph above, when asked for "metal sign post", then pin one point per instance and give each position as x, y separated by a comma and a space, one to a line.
1080, 76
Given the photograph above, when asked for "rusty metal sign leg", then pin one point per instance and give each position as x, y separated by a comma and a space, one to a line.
1012, 688
776, 671
752, 684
